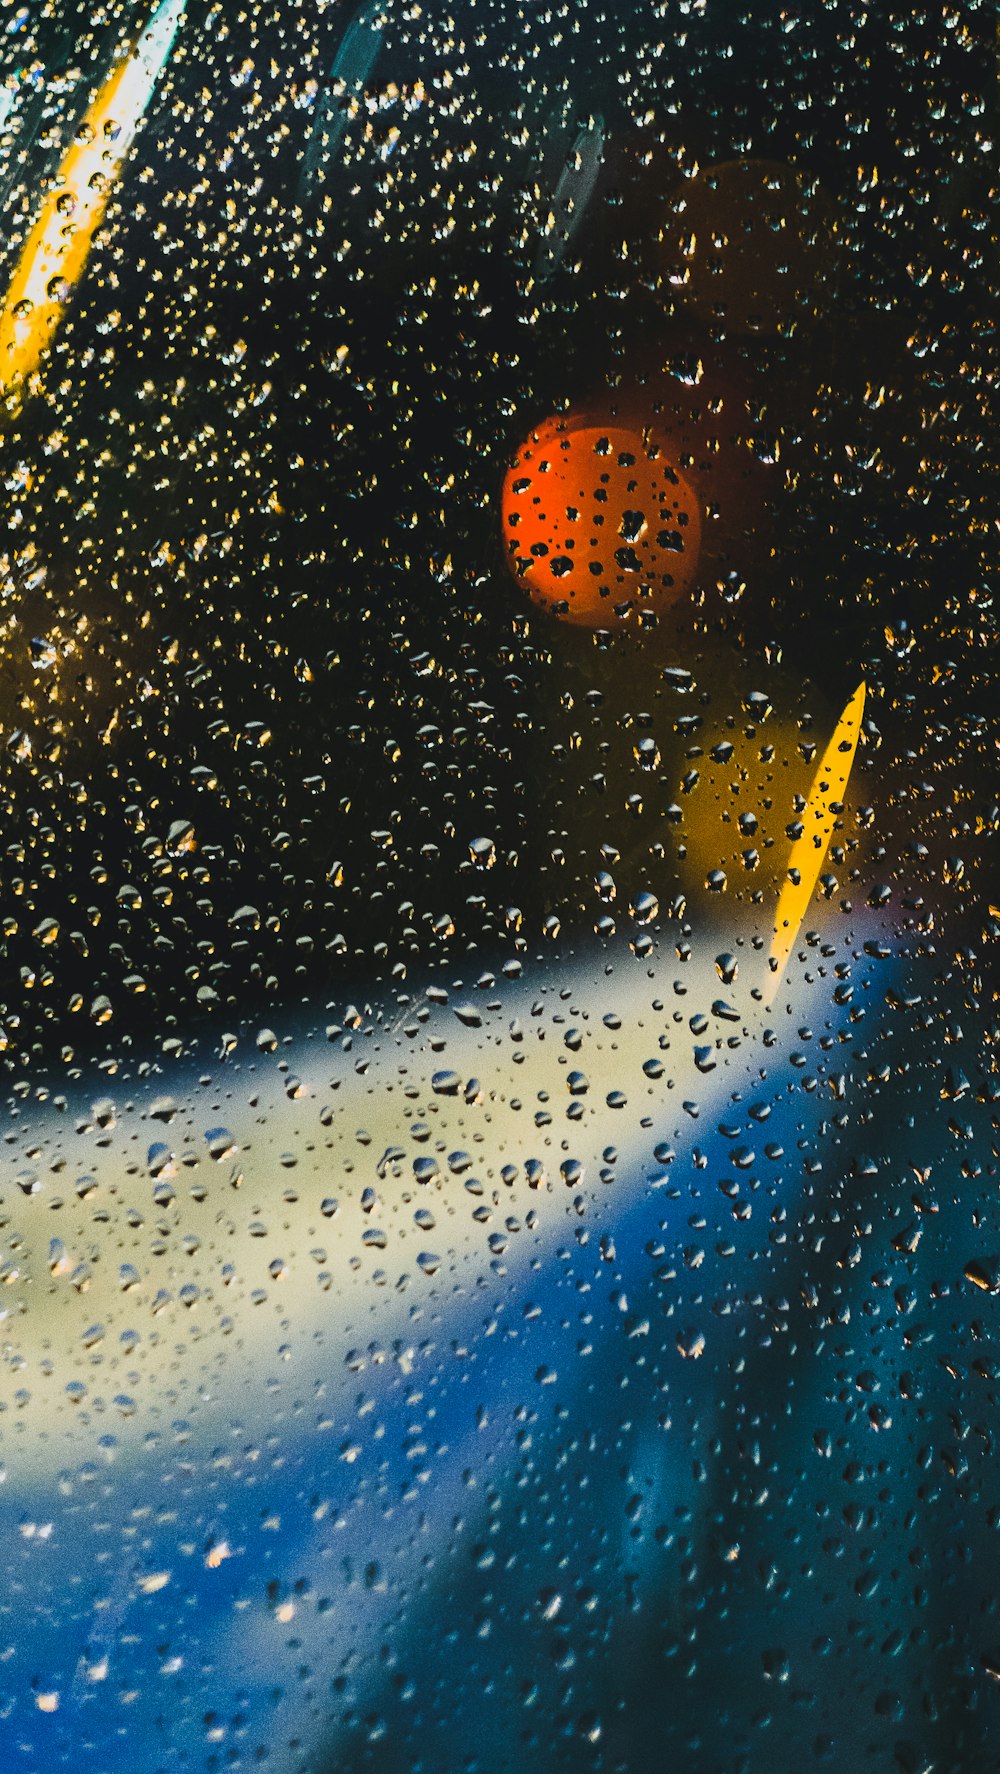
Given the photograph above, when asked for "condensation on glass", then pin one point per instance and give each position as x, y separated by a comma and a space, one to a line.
499, 897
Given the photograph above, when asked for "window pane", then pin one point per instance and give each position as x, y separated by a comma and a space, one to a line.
498, 771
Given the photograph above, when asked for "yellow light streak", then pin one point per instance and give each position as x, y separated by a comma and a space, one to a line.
829, 786
55, 252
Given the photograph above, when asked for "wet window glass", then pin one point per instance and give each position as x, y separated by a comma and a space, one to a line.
498, 880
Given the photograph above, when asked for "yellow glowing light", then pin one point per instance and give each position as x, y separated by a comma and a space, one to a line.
829, 785
55, 252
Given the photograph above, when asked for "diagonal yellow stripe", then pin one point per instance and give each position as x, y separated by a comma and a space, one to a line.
55, 252
829, 786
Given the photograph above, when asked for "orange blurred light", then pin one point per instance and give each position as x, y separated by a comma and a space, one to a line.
598, 523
